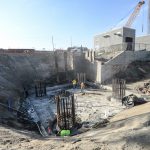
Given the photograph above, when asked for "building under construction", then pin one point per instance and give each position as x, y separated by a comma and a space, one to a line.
37, 90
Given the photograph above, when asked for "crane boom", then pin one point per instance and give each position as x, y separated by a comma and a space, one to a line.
134, 14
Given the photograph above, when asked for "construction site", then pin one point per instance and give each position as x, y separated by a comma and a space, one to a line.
78, 98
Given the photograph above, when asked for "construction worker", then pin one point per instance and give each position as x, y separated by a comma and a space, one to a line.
82, 87
74, 82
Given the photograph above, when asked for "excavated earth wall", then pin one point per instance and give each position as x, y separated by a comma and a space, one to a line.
19, 70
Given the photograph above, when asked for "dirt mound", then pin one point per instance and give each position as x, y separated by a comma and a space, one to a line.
135, 71
135, 111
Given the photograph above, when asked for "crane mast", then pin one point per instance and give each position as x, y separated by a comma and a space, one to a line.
134, 14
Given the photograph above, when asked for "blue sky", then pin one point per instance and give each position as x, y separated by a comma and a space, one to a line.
32, 23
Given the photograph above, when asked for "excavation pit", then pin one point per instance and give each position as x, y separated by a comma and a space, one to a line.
69, 109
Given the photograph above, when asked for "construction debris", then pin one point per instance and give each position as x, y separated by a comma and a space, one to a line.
144, 89
132, 100
95, 85
100, 124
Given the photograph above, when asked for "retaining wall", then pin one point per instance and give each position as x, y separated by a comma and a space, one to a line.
21, 69
120, 62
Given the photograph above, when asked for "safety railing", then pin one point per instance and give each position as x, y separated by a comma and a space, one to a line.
142, 46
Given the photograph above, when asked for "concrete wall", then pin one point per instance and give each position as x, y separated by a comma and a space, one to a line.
103, 41
113, 37
91, 67
120, 62
142, 42
64, 60
97, 71
91, 70
94, 71
128, 32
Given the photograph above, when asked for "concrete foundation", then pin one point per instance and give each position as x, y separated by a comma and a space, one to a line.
142, 42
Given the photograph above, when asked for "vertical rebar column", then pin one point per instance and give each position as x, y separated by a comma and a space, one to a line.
65, 61
58, 109
118, 88
73, 110
81, 77
40, 88
84, 80
56, 66
78, 77
65, 111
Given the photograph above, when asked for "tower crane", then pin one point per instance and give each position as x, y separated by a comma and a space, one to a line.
134, 14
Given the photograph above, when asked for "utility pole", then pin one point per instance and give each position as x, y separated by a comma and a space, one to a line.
53, 43
56, 61
71, 41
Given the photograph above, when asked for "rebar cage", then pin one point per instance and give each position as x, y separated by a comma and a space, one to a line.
65, 110
118, 88
40, 88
